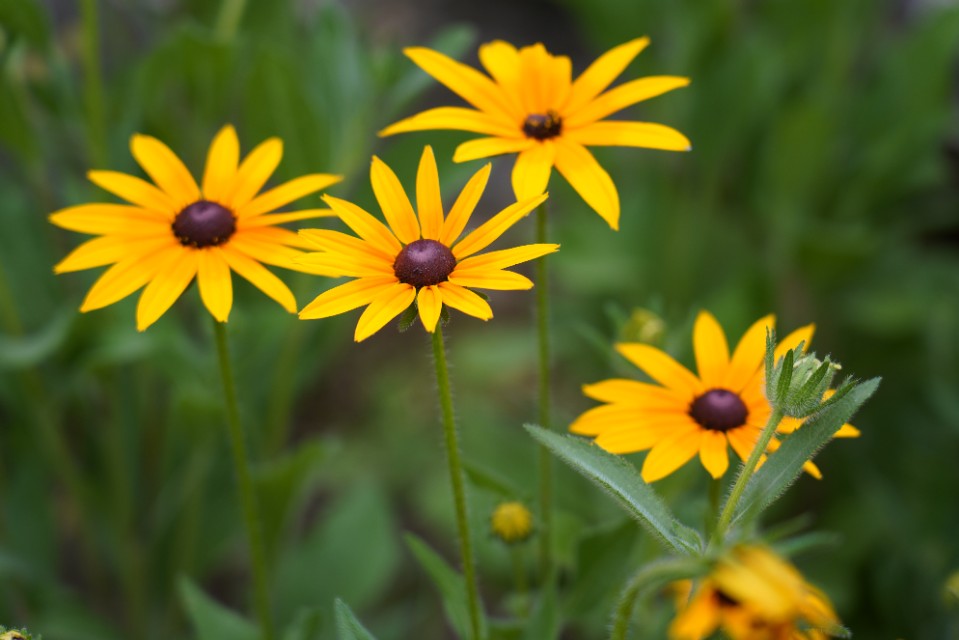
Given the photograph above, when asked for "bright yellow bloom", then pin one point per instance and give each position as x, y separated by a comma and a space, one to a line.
529, 105
418, 256
689, 414
178, 230
512, 522
753, 594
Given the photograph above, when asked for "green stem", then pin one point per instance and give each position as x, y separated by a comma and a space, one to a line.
93, 81
244, 479
545, 420
748, 469
650, 576
715, 489
457, 480
228, 20
517, 558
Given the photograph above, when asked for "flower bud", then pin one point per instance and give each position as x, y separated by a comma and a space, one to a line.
512, 522
796, 383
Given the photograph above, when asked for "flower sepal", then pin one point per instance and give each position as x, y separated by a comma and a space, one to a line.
797, 382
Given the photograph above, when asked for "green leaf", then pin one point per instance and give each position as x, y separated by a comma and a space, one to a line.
621, 480
307, 625
30, 351
210, 619
347, 626
783, 467
602, 565
485, 478
544, 622
407, 318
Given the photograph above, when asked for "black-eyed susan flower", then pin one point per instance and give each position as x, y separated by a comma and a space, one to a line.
530, 105
511, 522
419, 256
753, 594
175, 230
685, 413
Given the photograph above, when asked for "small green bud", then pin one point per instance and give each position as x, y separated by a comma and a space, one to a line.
643, 326
796, 383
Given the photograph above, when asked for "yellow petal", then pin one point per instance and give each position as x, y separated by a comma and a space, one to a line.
166, 169
507, 257
544, 82
671, 454
601, 73
662, 368
749, 354
640, 435
119, 219
713, 454
801, 335
743, 440
647, 135
109, 249
486, 147
165, 287
464, 300
636, 394
253, 173
336, 242
489, 231
216, 286
127, 276
270, 220
429, 302
532, 168
259, 277
501, 61
263, 251
468, 83
428, 199
345, 297
286, 193
847, 431
712, 352
365, 225
490, 279
336, 265
699, 619
388, 304
275, 235
394, 202
221, 163
590, 180
135, 190
464, 206
618, 98
457, 119
629, 416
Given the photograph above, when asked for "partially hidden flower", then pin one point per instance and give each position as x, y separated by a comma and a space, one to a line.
685, 414
530, 105
420, 256
511, 522
175, 230
753, 594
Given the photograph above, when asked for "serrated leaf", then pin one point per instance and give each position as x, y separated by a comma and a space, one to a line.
407, 318
785, 465
210, 619
347, 626
621, 480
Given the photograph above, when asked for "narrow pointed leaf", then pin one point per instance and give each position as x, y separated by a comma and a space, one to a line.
347, 626
210, 619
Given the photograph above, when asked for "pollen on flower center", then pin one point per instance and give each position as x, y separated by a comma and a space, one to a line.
204, 224
719, 410
543, 126
422, 263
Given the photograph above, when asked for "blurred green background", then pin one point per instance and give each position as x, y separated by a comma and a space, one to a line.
823, 186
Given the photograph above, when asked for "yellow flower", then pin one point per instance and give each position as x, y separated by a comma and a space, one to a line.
689, 414
177, 230
418, 256
512, 522
753, 594
531, 106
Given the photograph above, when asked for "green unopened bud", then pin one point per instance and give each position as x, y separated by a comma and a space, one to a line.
796, 383
643, 326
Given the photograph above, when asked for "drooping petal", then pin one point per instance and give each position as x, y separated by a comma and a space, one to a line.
464, 206
127, 276
506, 257
166, 169
620, 97
490, 279
109, 249
489, 231
532, 169
165, 287
221, 163
712, 352
286, 193
135, 190
394, 202
487, 147
650, 397
429, 302
713, 454
589, 179
648, 135
269, 220
253, 173
259, 276
749, 354
216, 285
117, 219
429, 203
468, 83
456, 119
346, 297
365, 225
388, 304
601, 73
662, 368
671, 454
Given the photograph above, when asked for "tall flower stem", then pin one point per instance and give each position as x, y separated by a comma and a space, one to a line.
228, 20
545, 419
650, 576
749, 468
241, 464
457, 480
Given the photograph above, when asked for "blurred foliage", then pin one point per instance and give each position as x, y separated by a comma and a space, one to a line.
820, 187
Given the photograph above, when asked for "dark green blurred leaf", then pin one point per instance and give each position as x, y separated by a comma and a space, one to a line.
307, 625
347, 626
448, 582
484, 478
30, 351
601, 567
210, 619
544, 621
26, 19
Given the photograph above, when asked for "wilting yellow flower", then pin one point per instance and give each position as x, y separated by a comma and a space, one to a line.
689, 414
177, 230
417, 257
511, 522
531, 106
753, 594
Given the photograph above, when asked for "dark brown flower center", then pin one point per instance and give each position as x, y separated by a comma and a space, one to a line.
204, 224
423, 263
543, 126
719, 410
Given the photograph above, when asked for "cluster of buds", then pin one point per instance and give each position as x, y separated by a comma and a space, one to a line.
797, 382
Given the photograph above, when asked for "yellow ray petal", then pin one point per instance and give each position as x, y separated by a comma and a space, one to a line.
532, 168
457, 119
501, 61
534, 82
165, 287
346, 297
221, 163
712, 352
365, 225
506, 257
286, 193
848, 431
489, 231
559, 71
647, 135
698, 620
253, 173
486, 147
216, 285
429, 302
801, 335
394, 202
487, 279
109, 249
269, 220
263, 251
749, 354
166, 169
428, 200
127, 276
335, 265
336, 242
275, 235
464, 300
135, 190
601, 73
465, 204
468, 83
119, 219
636, 394
388, 304
662, 368
259, 277
713, 454
620, 97
590, 180
626, 416
671, 454
742, 440
639, 436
